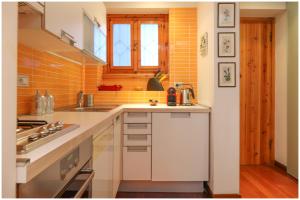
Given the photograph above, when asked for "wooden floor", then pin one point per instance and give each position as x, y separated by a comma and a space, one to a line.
259, 181
266, 182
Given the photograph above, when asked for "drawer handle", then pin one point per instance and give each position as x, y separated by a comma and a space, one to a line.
137, 149
137, 114
137, 126
137, 137
181, 115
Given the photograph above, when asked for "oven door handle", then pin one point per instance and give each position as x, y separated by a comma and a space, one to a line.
86, 183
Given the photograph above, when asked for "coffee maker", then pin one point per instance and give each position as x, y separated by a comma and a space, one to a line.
171, 97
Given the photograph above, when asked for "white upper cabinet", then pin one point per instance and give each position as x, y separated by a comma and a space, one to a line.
38, 6
65, 20
81, 23
95, 29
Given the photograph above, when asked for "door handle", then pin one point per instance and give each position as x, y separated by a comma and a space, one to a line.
68, 36
137, 126
84, 185
181, 115
137, 114
137, 149
137, 137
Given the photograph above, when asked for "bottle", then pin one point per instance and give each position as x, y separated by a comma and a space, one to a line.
49, 107
38, 106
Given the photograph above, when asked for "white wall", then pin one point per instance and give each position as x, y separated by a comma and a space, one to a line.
280, 88
225, 120
205, 17
9, 96
225, 127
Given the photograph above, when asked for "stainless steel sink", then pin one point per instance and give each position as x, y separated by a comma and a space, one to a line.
102, 108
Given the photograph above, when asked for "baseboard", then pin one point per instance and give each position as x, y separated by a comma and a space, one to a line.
280, 165
211, 195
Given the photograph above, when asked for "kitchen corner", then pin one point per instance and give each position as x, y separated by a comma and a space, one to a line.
89, 123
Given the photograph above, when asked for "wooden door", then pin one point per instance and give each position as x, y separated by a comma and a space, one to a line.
257, 91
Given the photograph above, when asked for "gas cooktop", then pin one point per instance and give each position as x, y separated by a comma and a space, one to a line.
33, 134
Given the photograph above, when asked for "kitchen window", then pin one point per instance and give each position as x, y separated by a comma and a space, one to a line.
137, 43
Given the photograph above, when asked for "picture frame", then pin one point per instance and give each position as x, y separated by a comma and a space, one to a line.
226, 74
226, 15
226, 44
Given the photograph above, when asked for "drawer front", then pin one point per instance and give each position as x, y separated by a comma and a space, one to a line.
137, 129
137, 163
137, 117
137, 140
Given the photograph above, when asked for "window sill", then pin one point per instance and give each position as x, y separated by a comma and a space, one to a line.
116, 76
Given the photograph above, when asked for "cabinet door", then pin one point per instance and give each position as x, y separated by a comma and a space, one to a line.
96, 42
66, 17
117, 155
103, 163
180, 146
137, 163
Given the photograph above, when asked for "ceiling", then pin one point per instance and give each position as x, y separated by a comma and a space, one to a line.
145, 7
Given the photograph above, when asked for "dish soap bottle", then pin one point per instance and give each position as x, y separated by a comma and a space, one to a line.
38, 106
49, 108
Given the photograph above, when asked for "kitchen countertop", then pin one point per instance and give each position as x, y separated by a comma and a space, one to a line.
89, 122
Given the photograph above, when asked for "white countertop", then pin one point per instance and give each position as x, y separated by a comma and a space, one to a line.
89, 122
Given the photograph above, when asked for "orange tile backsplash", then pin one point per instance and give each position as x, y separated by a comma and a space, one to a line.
64, 79
182, 63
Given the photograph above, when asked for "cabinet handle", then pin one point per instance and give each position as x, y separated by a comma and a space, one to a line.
137, 149
137, 137
137, 126
68, 36
180, 115
137, 114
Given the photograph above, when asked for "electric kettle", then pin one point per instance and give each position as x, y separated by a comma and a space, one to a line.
186, 96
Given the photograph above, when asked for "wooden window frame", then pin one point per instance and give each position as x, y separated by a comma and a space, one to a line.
136, 21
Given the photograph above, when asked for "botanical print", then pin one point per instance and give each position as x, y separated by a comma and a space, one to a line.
226, 13
227, 74
226, 45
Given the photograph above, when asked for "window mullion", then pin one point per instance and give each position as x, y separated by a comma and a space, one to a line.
136, 45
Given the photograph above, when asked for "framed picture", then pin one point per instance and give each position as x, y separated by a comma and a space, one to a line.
226, 44
226, 74
226, 15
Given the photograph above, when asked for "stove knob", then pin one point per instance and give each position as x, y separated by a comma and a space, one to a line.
52, 127
59, 125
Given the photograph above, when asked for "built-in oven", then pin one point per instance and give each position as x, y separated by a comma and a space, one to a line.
80, 186
69, 177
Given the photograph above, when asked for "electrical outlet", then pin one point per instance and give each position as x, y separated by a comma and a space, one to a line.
23, 80
177, 84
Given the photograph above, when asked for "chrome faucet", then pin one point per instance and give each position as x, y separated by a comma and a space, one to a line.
80, 99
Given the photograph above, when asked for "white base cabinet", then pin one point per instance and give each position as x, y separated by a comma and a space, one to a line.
117, 157
180, 146
103, 163
137, 146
